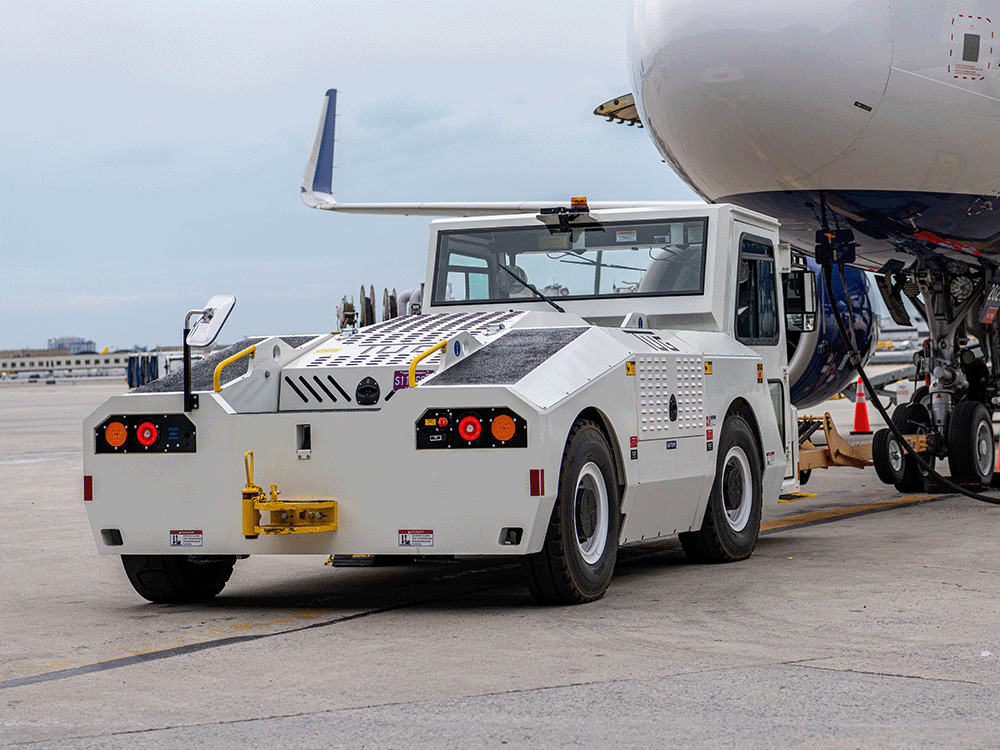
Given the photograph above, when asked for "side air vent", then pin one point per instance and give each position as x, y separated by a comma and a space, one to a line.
317, 390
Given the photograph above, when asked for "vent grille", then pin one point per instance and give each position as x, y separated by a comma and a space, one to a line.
657, 378
690, 392
317, 390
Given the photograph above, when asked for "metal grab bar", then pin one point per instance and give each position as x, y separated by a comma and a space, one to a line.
413, 364
250, 351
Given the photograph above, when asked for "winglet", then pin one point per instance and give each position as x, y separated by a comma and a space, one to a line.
317, 182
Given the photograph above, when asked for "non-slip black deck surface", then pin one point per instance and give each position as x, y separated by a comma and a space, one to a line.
203, 370
509, 358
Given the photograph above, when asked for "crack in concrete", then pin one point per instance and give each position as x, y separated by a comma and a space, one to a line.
804, 665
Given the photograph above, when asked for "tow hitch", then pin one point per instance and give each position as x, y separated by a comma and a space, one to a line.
287, 517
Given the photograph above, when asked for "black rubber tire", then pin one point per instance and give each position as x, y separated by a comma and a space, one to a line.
888, 456
913, 419
171, 579
577, 559
971, 454
731, 525
804, 475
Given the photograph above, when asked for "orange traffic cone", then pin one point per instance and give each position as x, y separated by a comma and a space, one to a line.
861, 426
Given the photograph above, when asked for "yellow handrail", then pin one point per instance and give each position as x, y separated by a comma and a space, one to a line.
216, 378
413, 364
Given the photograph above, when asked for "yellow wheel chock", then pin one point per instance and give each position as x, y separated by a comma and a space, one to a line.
287, 517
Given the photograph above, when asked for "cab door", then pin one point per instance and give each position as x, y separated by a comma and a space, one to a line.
759, 316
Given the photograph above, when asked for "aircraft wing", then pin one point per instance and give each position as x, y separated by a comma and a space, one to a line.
317, 186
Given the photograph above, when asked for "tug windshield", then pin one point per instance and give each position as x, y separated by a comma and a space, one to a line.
637, 258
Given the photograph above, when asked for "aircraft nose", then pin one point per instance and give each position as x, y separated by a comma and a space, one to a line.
747, 97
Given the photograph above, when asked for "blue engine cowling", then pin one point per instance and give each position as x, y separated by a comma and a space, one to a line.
818, 362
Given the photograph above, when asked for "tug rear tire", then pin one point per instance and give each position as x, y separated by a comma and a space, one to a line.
581, 545
172, 579
732, 519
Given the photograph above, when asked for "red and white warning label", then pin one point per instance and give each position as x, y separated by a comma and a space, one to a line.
416, 538
187, 538
972, 47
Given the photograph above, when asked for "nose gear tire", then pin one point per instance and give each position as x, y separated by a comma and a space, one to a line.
888, 456
970, 443
911, 419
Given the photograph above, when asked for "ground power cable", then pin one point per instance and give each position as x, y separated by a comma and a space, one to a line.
857, 361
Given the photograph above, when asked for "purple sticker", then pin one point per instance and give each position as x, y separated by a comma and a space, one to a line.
401, 378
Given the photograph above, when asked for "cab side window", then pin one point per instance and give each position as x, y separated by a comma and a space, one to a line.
756, 295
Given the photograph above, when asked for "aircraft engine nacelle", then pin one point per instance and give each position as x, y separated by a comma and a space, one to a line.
818, 362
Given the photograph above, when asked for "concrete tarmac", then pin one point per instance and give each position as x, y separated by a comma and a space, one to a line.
863, 620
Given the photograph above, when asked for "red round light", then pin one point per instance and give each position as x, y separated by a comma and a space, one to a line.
147, 434
470, 428
442, 421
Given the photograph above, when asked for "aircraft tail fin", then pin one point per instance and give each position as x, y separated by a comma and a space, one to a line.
317, 182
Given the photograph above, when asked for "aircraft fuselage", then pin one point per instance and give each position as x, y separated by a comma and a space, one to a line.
885, 111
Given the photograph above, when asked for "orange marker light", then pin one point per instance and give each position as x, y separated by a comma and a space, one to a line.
116, 434
503, 428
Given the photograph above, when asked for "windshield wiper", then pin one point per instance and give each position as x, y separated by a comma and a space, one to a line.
524, 282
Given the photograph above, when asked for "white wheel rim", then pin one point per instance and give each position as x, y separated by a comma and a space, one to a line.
895, 456
737, 489
984, 448
590, 513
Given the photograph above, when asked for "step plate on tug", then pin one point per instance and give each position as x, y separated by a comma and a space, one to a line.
372, 364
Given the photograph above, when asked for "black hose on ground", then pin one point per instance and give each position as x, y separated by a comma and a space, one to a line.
828, 279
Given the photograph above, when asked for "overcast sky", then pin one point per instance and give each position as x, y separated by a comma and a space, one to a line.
152, 151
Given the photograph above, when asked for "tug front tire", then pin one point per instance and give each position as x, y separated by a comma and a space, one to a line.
581, 545
172, 579
732, 519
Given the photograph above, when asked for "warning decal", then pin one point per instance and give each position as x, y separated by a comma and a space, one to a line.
972, 46
991, 303
187, 538
416, 537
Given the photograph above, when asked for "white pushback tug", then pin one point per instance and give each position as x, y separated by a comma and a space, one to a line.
649, 399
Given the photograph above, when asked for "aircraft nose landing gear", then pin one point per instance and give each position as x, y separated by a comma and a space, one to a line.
955, 411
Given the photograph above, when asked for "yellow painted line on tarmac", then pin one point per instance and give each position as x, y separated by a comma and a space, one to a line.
794, 497
816, 516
